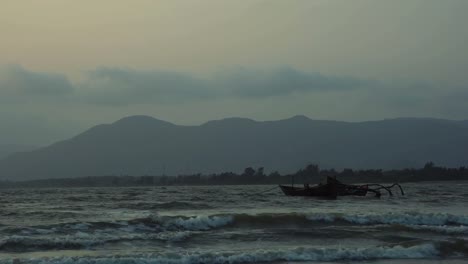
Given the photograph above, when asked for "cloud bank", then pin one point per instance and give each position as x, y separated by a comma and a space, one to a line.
17, 83
118, 86
109, 93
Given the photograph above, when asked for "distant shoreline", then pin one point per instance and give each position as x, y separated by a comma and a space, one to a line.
310, 174
28, 186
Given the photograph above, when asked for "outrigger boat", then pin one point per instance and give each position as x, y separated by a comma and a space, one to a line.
333, 188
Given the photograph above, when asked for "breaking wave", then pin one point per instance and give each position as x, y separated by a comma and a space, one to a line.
156, 223
430, 219
180, 228
422, 251
87, 235
433, 219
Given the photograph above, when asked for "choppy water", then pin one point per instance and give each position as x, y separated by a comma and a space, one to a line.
230, 224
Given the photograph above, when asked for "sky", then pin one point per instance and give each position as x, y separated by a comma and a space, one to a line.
68, 65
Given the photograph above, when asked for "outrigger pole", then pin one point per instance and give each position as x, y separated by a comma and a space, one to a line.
387, 188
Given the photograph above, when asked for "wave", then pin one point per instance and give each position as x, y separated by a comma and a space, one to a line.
433, 219
418, 221
164, 205
422, 251
22, 243
154, 224
442, 220
81, 240
180, 228
449, 230
198, 222
44, 214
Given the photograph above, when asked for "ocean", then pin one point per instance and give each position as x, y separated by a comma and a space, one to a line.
232, 224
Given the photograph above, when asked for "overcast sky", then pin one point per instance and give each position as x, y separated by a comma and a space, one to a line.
66, 65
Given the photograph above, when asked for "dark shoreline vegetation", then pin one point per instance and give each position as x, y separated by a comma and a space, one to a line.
310, 174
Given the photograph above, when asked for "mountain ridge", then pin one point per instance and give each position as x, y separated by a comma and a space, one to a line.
139, 145
9, 149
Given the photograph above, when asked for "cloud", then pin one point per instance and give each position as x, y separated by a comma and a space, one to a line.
123, 87
17, 81
282, 81
116, 86
119, 86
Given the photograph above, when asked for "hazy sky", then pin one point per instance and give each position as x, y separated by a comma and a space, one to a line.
66, 65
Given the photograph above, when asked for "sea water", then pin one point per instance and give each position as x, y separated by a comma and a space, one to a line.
232, 224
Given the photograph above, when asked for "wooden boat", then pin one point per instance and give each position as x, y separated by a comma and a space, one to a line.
333, 188
329, 189
318, 191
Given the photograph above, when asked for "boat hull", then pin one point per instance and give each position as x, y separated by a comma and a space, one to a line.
327, 190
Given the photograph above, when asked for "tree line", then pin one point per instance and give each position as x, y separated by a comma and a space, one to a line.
310, 174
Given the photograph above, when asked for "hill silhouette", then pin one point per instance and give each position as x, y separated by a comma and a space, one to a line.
8, 149
142, 145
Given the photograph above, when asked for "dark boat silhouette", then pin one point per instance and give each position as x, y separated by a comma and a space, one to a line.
328, 189
333, 188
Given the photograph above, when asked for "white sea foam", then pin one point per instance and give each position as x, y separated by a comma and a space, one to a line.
199, 222
431, 219
296, 254
322, 217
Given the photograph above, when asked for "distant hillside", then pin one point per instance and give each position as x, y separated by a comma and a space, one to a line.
6, 150
141, 145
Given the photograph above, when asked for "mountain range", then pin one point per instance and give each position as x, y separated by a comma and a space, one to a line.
142, 145
8, 149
